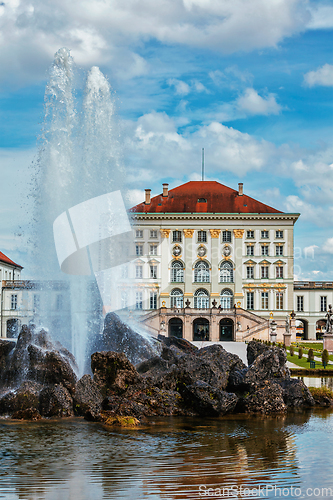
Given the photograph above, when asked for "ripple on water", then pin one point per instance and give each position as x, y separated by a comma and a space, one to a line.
167, 459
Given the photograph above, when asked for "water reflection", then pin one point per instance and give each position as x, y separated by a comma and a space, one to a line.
317, 381
167, 459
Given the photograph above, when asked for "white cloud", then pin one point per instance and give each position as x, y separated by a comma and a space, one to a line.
322, 76
181, 88
328, 245
99, 32
252, 103
321, 16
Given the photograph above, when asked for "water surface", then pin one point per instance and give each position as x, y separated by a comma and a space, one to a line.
172, 458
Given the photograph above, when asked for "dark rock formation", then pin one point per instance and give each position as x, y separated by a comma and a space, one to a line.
113, 372
254, 349
88, 397
207, 400
119, 337
36, 358
264, 397
295, 393
55, 401
179, 346
271, 364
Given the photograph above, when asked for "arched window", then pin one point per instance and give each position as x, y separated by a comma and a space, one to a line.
226, 299
201, 272
226, 272
177, 298
177, 271
201, 299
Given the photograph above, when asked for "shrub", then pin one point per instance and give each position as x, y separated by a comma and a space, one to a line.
310, 355
300, 353
292, 350
325, 356
320, 392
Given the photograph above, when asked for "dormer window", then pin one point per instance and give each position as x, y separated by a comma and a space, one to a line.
202, 200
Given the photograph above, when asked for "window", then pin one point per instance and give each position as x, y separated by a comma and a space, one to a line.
264, 234
279, 234
250, 234
264, 250
153, 233
249, 272
177, 272
177, 298
153, 271
201, 299
250, 250
152, 249
139, 233
139, 249
202, 236
226, 299
138, 271
177, 236
279, 250
226, 273
13, 302
264, 272
59, 302
279, 272
138, 300
250, 300
124, 299
264, 300
226, 236
323, 304
300, 303
201, 272
279, 300
153, 300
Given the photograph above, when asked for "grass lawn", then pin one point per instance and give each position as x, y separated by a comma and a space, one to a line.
303, 363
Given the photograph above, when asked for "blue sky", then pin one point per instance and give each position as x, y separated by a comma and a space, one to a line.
251, 82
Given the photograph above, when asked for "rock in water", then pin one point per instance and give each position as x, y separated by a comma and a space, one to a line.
119, 337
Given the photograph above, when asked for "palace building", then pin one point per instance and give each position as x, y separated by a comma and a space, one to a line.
221, 259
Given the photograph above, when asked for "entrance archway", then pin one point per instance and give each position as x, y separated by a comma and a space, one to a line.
226, 329
176, 328
320, 328
12, 328
302, 328
201, 329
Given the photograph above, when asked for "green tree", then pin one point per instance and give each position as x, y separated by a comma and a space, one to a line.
325, 357
310, 355
292, 350
300, 353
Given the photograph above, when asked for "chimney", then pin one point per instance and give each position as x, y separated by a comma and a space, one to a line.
240, 189
147, 200
165, 190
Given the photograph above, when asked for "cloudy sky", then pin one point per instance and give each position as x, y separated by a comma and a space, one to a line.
250, 81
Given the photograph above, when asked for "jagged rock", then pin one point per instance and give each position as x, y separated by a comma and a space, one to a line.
154, 367
50, 367
254, 349
171, 355
119, 337
230, 366
207, 400
19, 401
264, 397
36, 358
88, 397
271, 364
295, 393
113, 372
180, 346
55, 401
5, 348
28, 414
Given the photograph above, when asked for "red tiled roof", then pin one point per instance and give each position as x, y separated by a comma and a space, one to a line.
4, 258
219, 199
